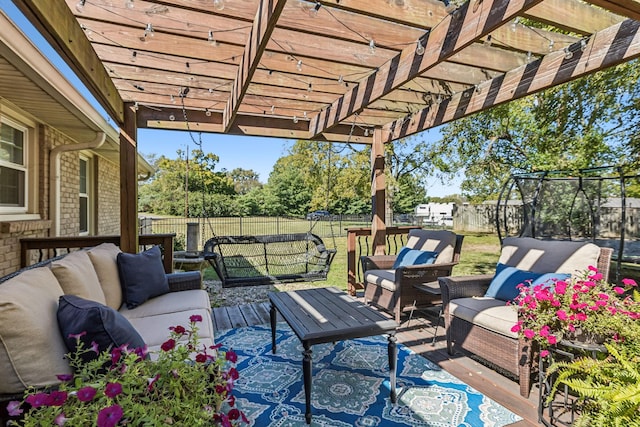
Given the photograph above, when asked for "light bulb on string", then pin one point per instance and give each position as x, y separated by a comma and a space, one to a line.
583, 45
172, 99
372, 46
211, 39
551, 44
148, 31
366, 132
80, 6
295, 119
340, 79
136, 106
207, 112
299, 65
419, 48
514, 24
567, 53
172, 117
529, 56
309, 88
129, 4
313, 12
487, 42
304, 114
134, 56
273, 109
218, 4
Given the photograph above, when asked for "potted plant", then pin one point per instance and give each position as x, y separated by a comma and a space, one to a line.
187, 384
598, 323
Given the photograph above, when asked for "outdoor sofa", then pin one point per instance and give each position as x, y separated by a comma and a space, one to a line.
33, 300
481, 324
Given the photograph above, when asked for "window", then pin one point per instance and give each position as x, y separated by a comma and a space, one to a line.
13, 168
85, 204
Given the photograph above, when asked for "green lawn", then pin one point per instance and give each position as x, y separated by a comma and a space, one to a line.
479, 255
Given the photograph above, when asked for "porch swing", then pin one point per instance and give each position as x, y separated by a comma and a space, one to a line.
270, 259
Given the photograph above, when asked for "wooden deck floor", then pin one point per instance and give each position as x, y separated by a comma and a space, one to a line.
417, 334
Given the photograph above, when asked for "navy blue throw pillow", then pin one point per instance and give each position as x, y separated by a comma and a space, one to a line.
142, 276
94, 322
504, 284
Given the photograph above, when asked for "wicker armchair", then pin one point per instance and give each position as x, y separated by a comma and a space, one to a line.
481, 325
392, 289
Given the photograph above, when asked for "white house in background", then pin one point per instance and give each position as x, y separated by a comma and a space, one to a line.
436, 213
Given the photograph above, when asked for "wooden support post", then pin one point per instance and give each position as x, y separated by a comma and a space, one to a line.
129, 182
378, 225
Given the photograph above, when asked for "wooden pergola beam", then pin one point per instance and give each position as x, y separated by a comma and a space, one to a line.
457, 31
628, 8
577, 16
57, 24
263, 25
606, 48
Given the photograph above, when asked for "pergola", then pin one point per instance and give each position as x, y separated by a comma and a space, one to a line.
366, 72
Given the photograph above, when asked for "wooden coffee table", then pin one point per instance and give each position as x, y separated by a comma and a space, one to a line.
324, 315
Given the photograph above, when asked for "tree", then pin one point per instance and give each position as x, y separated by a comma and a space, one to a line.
590, 122
244, 180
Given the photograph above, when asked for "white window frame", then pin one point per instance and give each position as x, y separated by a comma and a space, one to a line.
29, 210
89, 194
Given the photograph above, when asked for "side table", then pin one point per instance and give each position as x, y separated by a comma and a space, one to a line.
431, 288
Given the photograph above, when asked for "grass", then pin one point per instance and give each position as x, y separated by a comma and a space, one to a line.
479, 255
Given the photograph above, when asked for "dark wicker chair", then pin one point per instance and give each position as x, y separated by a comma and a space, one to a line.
393, 290
508, 352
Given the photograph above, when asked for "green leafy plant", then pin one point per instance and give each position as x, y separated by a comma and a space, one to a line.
585, 308
609, 388
185, 383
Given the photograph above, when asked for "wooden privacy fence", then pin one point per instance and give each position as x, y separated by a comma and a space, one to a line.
360, 243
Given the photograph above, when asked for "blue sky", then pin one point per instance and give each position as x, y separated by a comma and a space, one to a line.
256, 153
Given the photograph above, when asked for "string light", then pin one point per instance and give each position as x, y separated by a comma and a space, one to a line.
340, 79
129, 4
310, 88
314, 11
172, 99
487, 42
80, 6
514, 24
419, 48
529, 57
449, 7
273, 109
212, 39
134, 56
551, 44
372, 46
299, 65
567, 53
136, 106
207, 112
149, 30
583, 45
295, 119
172, 117
218, 4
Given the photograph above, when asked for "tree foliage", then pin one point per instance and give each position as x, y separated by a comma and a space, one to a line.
590, 122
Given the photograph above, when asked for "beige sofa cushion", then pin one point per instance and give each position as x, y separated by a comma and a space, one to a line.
383, 278
76, 276
154, 330
548, 256
441, 241
172, 302
490, 313
31, 347
103, 257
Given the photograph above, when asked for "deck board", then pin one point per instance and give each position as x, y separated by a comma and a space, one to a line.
417, 334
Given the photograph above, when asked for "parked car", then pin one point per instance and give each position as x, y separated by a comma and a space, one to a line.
318, 215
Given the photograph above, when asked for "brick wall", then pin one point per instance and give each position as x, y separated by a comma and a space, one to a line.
108, 203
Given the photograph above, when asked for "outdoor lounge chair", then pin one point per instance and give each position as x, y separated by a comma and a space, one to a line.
481, 324
392, 290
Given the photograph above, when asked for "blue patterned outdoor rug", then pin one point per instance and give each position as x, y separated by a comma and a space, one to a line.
350, 385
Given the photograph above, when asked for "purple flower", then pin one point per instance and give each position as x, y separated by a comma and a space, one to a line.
231, 356
78, 336
86, 394
109, 416
111, 390
94, 347
37, 400
13, 408
168, 345
57, 398
195, 318
64, 377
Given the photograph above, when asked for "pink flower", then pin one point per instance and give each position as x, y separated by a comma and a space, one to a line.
233, 373
562, 315
544, 353
581, 317
60, 420
592, 268
233, 414
552, 339
110, 416
168, 344
77, 336
57, 398
231, 356
561, 287
516, 327
152, 382
86, 394
596, 276
180, 330
195, 318
629, 282
545, 331
618, 290
37, 400
111, 390
13, 408
95, 348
